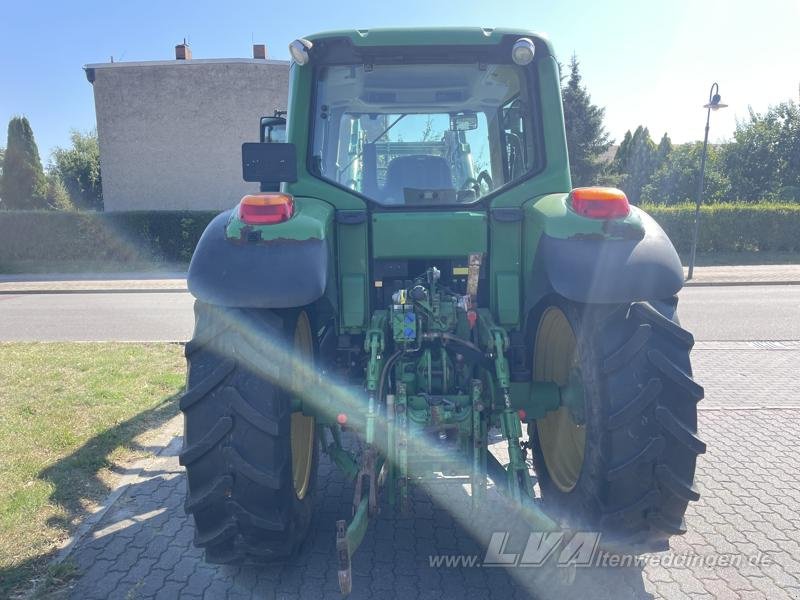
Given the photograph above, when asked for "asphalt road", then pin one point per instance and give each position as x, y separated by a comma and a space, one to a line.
96, 317
761, 312
769, 312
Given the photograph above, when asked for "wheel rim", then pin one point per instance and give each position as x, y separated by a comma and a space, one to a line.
562, 440
302, 427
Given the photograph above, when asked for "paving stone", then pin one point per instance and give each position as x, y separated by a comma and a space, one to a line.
102, 585
218, 588
170, 590
152, 583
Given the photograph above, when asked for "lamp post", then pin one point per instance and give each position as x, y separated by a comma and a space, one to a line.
713, 104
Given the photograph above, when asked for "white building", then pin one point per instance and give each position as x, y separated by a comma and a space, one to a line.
170, 132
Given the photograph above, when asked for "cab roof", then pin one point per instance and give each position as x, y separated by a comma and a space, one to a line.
441, 36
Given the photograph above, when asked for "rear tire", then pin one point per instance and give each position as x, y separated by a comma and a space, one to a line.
633, 481
247, 503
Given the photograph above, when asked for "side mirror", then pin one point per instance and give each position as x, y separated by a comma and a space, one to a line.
273, 130
464, 121
269, 163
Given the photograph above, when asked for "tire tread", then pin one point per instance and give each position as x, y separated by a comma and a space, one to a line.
243, 503
640, 479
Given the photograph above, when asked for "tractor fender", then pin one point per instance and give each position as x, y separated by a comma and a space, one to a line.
597, 269
271, 266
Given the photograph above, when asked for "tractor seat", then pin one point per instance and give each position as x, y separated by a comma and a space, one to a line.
416, 171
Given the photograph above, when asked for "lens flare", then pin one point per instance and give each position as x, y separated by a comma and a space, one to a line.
271, 358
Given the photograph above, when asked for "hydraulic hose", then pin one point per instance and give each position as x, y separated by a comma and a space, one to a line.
388, 365
469, 348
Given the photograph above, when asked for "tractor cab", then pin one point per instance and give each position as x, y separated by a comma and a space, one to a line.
379, 125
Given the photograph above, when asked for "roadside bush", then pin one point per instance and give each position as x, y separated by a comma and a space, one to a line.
142, 236
736, 227
160, 237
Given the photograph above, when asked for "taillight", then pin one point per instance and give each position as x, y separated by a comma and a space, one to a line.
266, 209
600, 202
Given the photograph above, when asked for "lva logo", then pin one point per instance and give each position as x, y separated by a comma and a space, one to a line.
577, 550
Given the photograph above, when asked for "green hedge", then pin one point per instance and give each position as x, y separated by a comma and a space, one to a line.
170, 236
145, 236
732, 227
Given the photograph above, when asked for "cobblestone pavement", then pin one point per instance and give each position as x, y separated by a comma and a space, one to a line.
745, 375
743, 537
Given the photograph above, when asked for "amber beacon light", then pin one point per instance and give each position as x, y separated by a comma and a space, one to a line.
600, 202
266, 209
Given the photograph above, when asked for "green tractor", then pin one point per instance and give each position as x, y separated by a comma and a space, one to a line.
418, 270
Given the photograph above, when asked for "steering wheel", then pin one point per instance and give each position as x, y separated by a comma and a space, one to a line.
471, 184
474, 183
484, 177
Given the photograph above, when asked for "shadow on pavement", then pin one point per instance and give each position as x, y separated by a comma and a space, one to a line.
78, 485
142, 548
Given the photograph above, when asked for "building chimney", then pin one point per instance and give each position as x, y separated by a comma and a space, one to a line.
183, 51
260, 51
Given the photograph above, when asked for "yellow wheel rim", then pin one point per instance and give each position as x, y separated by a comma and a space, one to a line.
562, 440
302, 428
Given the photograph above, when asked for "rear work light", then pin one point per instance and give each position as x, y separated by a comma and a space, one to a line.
266, 209
600, 202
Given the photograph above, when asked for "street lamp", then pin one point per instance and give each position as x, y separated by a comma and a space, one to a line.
713, 104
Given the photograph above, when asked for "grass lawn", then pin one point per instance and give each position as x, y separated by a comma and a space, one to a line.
70, 413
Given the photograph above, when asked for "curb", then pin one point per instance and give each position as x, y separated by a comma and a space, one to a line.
138, 290
792, 407
692, 283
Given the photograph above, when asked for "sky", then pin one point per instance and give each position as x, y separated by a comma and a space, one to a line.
646, 62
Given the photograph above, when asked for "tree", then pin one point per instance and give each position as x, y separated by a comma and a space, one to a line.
57, 196
23, 184
676, 179
79, 170
664, 148
763, 161
623, 152
587, 138
637, 159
